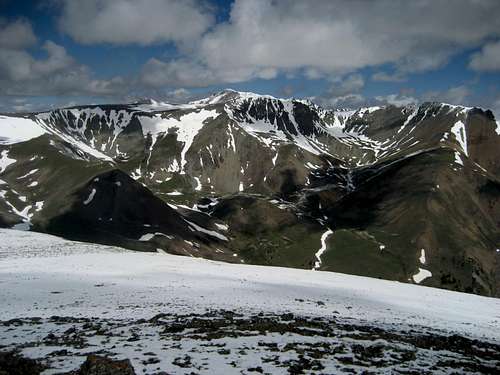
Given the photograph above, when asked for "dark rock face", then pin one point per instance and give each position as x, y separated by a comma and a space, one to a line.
113, 203
270, 110
307, 118
113, 209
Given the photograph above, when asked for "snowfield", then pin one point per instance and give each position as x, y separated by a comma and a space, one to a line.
44, 276
34, 264
19, 129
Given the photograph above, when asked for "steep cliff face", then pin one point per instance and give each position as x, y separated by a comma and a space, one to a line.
410, 194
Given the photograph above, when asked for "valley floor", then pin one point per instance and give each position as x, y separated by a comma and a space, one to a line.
62, 300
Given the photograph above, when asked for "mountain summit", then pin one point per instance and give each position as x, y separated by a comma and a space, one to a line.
402, 193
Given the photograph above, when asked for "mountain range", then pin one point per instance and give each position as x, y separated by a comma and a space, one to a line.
402, 193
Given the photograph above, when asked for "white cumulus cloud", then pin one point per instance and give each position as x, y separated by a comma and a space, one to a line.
16, 34
488, 59
322, 38
56, 73
142, 22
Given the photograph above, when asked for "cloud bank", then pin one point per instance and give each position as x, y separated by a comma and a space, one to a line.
324, 40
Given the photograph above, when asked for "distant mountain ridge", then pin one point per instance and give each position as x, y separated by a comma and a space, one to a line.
405, 193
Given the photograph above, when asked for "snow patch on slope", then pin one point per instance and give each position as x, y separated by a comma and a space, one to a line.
194, 227
5, 161
18, 129
186, 128
90, 197
266, 130
198, 186
422, 256
408, 119
421, 275
33, 171
159, 106
458, 159
366, 110
460, 135
77, 122
76, 136
149, 236
322, 249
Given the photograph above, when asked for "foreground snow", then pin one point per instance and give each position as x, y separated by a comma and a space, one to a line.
32, 265
42, 276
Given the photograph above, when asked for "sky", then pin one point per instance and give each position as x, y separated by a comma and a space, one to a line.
337, 53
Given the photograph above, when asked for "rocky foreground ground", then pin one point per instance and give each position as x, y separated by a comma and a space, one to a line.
73, 308
229, 342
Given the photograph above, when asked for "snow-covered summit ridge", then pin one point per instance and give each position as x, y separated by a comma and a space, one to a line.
94, 129
230, 94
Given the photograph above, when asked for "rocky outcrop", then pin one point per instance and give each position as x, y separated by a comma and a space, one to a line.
12, 363
100, 365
